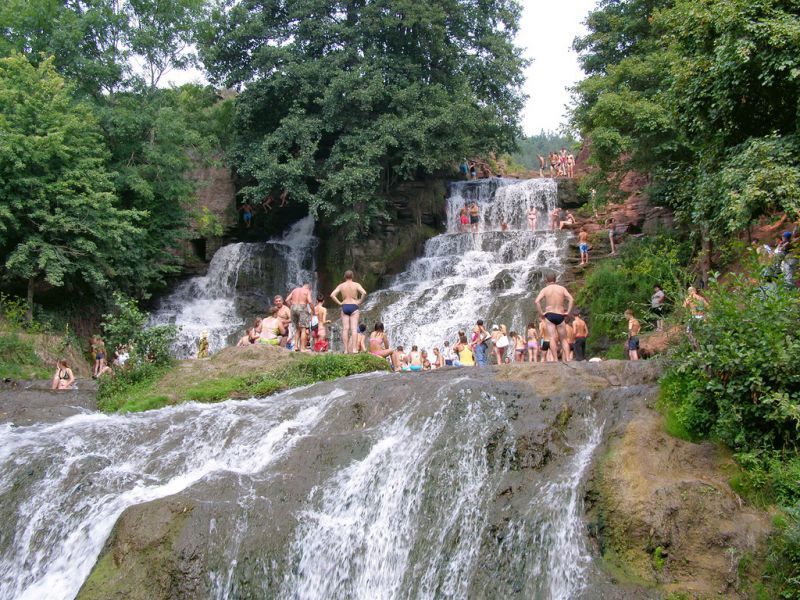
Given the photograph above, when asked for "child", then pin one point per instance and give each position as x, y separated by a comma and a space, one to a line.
546, 353
448, 355
519, 347
533, 343
99, 348
202, 345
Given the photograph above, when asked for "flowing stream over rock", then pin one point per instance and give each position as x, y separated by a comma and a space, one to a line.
449, 484
241, 281
492, 275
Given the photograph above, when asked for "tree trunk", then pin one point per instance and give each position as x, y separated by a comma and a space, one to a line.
29, 312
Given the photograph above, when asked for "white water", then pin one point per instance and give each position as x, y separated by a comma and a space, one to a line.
86, 470
401, 510
241, 281
492, 275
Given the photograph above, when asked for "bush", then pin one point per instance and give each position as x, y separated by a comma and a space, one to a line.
127, 326
18, 359
741, 381
626, 282
783, 560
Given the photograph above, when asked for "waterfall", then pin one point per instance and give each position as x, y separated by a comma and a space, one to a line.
492, 275
375, 486
241, 281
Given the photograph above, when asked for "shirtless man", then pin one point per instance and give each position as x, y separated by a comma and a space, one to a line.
301, 303
632, 345
285, 317
581, 333
570, 165
583, 246
352, 296
555, 297
541, 165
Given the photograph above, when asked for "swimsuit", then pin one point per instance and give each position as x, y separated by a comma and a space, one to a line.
300, 316
633, 343
555, 318
464, 219
532, 344
584, 248
349, 309
247, 216
473, 219
545, 345
415, 367
100, 356
63, 375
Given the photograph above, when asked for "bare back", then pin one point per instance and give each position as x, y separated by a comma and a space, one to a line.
555, 298
299, 295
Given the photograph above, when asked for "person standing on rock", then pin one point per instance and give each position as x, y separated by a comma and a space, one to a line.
301, 305
352, 296
474, 216
581, 333
632, 345
541, 165
611, 232
583, 246
555, 218
555, 298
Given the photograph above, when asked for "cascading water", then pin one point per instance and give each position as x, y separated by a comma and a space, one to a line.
492, 275
241, 281
448, 485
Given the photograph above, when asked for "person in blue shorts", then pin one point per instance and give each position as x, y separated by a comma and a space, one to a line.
583, 246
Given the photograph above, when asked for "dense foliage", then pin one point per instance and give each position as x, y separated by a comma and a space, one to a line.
341, 100
737, 381
541, 144
94, 159
702, 96
626, 282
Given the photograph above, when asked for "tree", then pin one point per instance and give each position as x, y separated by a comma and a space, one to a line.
703, 97
344, 99
59, 222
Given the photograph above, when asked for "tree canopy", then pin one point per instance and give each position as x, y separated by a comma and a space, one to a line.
59, 222
343, 99
704, 97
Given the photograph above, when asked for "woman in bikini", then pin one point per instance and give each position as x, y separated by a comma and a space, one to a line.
379, 346
63, 379
532, 219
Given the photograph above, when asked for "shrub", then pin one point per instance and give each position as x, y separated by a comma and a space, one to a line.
18, 359
626, 282
741, 381
127, 325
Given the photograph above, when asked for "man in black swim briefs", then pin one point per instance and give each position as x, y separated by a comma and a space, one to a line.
555, 297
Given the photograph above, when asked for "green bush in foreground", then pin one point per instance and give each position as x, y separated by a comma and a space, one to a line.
738, 381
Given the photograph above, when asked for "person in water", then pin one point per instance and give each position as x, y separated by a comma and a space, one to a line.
555, 298
352, 296
532, 219
474, 216
301, 304
63, 379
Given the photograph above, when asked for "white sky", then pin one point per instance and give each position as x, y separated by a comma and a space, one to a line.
546, 32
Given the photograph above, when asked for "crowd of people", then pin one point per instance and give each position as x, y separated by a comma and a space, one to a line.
559, 334
558, 164
64, 378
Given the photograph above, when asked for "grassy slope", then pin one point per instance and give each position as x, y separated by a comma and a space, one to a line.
233, 373
33, 356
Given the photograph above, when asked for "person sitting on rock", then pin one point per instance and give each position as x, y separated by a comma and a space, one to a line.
63, 378
569, 221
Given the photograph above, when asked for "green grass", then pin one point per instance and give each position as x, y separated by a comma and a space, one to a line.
18, 359
137, 391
